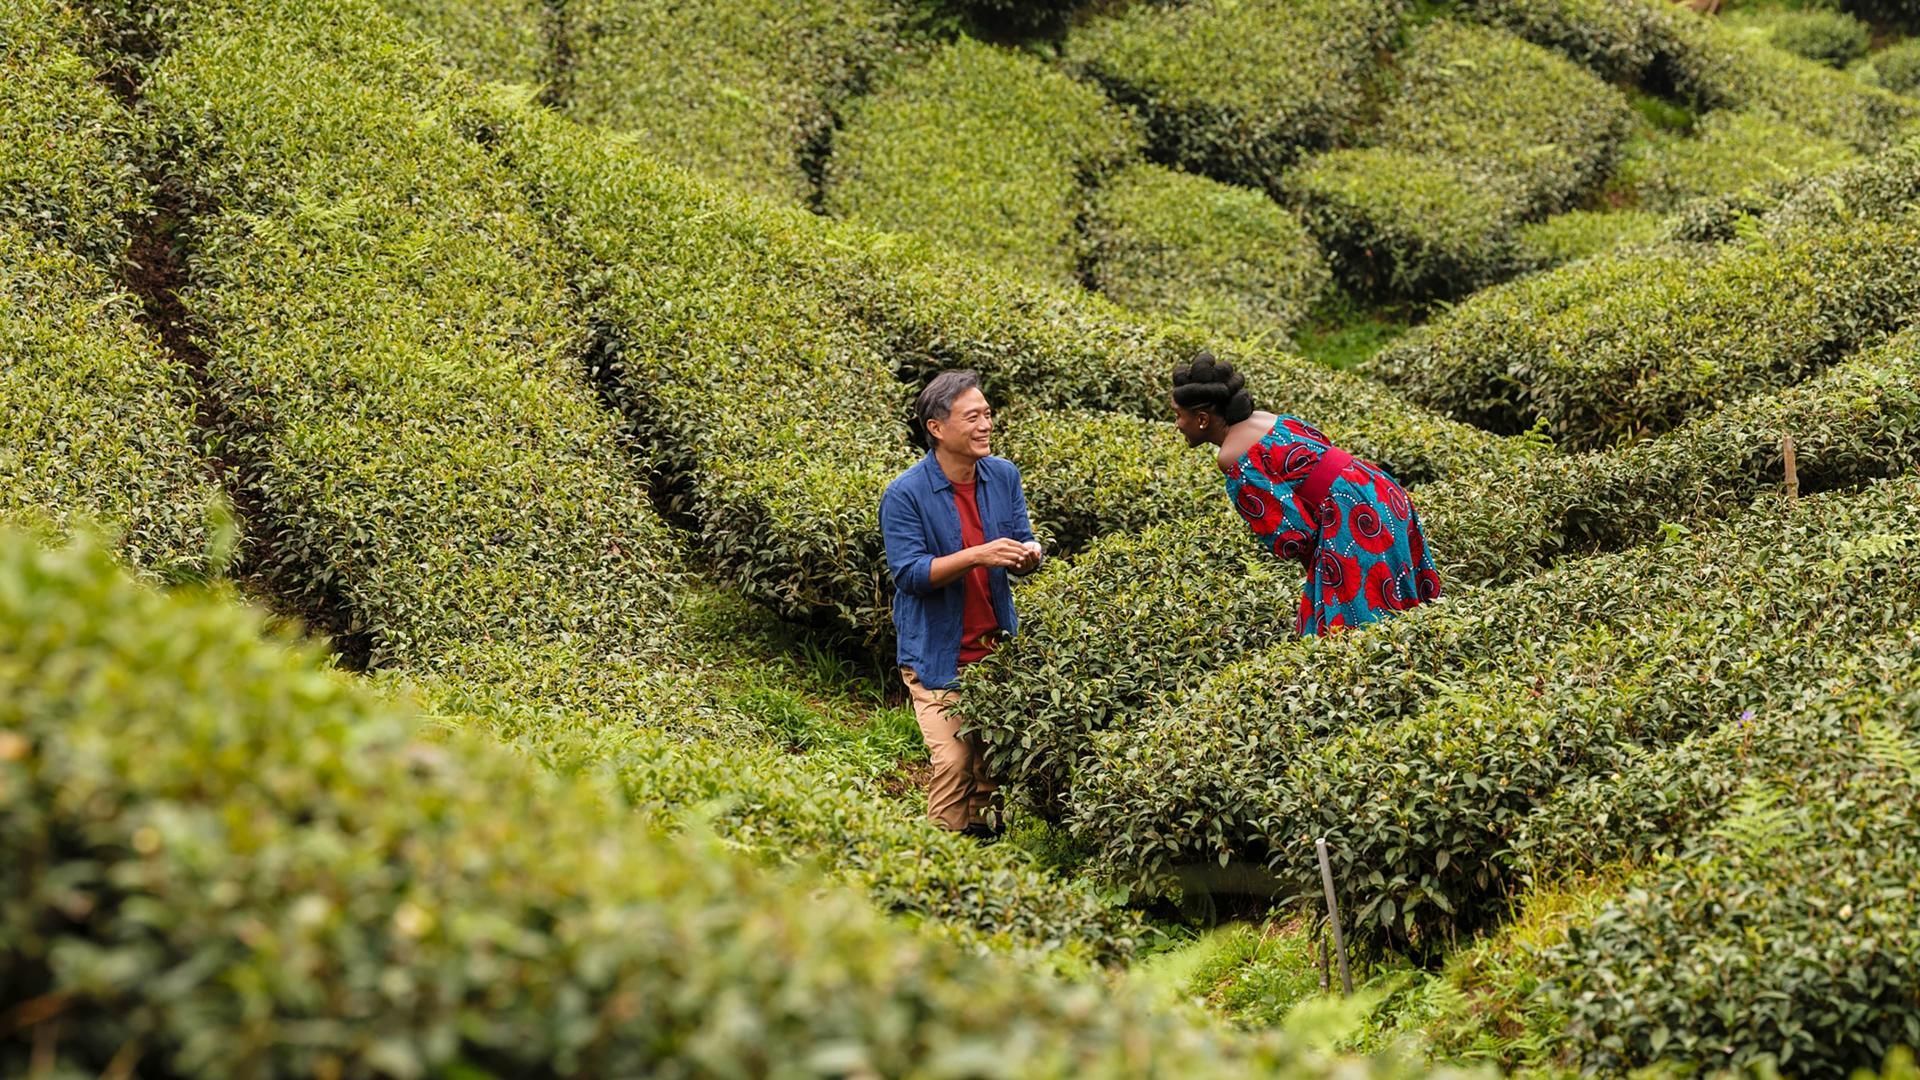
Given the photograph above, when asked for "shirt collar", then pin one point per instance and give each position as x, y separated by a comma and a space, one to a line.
938, 476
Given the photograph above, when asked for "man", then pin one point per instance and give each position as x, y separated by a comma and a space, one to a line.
955, 524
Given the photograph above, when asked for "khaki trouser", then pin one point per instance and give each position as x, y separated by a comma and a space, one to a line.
960, 793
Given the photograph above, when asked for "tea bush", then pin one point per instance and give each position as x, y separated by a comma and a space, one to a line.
745, 90
1578, 234
502, 40
1729, 151
737, 779
239, 863
1656, 348
1713, 66
1456, 164
1407, 225
1897, 67
95, 418
1833, 38
1418, 780
66, 173
1785, 935
983, 148
1856, 421
1208, 253
1885, 185
1619, 41
1707, 64
1132, 620
393, 350
1659, 802
1236, 91
1088, 473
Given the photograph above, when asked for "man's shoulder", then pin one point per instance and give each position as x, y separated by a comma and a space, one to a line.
997, 467
910, 480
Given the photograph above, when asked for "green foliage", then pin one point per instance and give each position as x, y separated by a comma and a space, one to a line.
1579, 234
1419, 747
1833, 38
1707, 64
1236, 90
393, 350
1087, 474
1134, 618
1456, 164
1714, 66
501, 40
1726, 153
1853, 422
66, 174
1626, 347
229, 861
1619, 41
984, 149
94, 416
1784, 935
1897, 67
1216, 255
742, 90
96, 419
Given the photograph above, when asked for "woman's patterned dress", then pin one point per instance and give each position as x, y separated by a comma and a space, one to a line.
1365, 556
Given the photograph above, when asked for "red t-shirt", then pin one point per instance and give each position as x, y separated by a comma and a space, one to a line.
978, 624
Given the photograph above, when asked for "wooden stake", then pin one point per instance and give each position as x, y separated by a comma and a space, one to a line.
1793, 469
1333, 914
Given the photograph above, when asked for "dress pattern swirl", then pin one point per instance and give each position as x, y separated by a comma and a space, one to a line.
1362, 547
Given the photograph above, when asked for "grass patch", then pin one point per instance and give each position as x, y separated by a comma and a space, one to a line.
1343, 331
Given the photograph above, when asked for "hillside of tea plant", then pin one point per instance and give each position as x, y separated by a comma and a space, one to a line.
444, 628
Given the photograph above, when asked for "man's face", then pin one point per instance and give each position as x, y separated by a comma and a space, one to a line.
967, 430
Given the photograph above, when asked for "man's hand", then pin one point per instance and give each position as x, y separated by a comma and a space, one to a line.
1008, 553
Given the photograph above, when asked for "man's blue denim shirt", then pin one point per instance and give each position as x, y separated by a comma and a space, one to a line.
920, 524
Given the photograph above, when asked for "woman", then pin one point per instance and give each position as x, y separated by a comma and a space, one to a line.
1344, 519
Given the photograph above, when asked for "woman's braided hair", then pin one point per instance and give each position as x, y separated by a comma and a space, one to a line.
1206, 383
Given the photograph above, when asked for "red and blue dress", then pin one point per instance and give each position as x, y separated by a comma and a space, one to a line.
1344, 519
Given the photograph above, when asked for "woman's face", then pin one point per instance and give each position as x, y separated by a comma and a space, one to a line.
1192, 423
967, 430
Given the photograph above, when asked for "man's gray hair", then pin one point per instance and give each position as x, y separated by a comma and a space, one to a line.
936, 402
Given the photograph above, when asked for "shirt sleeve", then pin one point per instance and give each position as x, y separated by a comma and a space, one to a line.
909, 558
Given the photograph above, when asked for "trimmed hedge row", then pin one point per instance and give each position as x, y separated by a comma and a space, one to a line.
66, 173
1856, 421
1833, 38
745, 90
985, 149
1896, 67
1196, 250
1707, 64
1418, 781
501, 40
1455, 165
1651, 341
1580, 234
1090, 474
223, 860
1660, 802
1728, 152
95, 420
1132, 621
1783, 936
1237, 90
392, 349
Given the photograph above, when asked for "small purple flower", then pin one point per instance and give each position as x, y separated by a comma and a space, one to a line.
1746, 718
